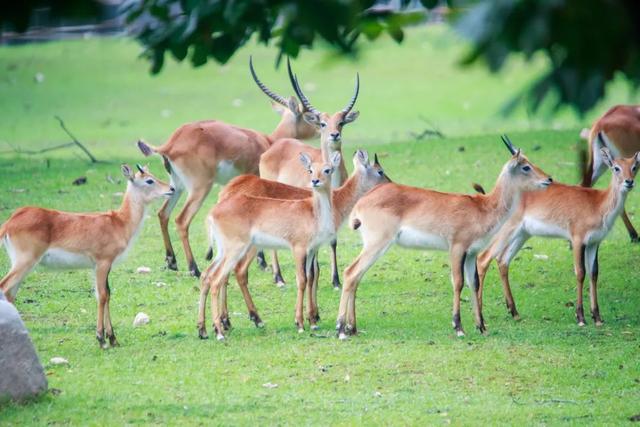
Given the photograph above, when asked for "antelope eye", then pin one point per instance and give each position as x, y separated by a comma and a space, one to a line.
309, 170
323, 125
633, 168
380, 172
526, 168
617, 168
327, 171
150, 181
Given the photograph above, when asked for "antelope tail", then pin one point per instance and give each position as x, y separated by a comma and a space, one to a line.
479, 188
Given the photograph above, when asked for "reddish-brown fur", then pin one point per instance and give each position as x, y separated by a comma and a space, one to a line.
33, 235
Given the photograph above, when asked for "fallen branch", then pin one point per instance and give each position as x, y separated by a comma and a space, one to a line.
431, 131
75, 140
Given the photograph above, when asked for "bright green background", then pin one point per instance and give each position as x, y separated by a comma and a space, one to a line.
406, 366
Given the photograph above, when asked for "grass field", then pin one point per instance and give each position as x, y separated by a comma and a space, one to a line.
406, 366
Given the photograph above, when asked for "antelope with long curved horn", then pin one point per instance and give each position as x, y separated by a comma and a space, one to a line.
201, 153
280, 161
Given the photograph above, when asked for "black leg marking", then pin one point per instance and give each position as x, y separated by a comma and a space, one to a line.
580, 313
456, 322
167, 164
202, 332
193, 269
262, 263
170, 259
277, 278
336, 277
209, 255
253, 316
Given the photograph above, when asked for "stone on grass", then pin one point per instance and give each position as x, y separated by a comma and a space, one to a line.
58, 361
140, 319
143, 270
21, 374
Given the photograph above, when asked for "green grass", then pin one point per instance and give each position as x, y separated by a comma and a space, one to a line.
406, 366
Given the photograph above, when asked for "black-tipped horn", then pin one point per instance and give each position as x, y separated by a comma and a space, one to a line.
509, 144
296, 87
375, 159
352, 102
140, 168
274, 96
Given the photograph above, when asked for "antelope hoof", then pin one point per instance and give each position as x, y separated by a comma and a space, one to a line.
516, 317
262, 263
314, 327
202, 334
226, 323
599, 323
113, 342
460, 333
482, 329
256, 319
634, 237
581, 323
193, 271
342, 336
220, 337
280, 284
172, 264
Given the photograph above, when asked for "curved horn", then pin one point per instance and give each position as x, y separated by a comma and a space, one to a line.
140, 168
351, 103
303, 99
509, 144
274, 96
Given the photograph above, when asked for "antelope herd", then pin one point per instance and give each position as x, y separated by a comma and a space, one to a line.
282, 193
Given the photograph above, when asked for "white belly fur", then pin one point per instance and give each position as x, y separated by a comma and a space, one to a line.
267, 241
412, 238
226, 171
536, 227
61, 259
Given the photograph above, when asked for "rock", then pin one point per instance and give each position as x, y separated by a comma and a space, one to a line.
140, 319
58, 361
22, 376
143, 270
542, 257
270, 385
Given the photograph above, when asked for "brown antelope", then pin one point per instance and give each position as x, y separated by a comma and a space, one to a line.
279, 162
427, 219
242, 222
622, 126
583, 216
365, 177
201, 153
58, 239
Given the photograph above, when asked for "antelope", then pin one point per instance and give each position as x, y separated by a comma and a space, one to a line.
242, 222
57, 239
584, 216
426, 219
369, 176
279, 162
622, 124
203, 152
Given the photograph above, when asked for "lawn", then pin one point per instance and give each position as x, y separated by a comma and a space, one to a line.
406, 366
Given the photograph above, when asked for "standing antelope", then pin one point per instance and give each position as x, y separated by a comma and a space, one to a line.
427, 219
584, 216
622, 126
243, 222
80, 240
279, 162
201, 153
365, 177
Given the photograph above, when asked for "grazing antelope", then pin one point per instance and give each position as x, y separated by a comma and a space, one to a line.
367, 177
242, 222
584, 216
201, 153
80, 240
622, 126
427, 219
279, 162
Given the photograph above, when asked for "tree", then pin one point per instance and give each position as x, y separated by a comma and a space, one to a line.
587, 42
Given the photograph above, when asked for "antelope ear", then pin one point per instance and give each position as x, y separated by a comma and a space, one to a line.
351, 116
637, 157
278, 108
335, 159
606, 157
305, 160
311, 118
293, 105
363, 157
126, 171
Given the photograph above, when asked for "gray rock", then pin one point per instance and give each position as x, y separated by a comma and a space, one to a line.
21, 374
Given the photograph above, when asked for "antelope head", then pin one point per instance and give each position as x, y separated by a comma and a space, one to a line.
522, 172
329, 125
